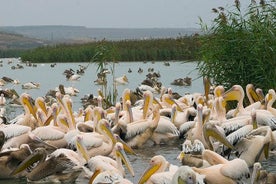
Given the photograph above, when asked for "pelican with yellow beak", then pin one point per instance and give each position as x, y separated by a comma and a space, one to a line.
159, 171
101, 166
101, 143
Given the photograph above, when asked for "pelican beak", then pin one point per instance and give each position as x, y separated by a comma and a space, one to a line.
128, 105
63, 120
210, 130
181, 156
81, 148
68, 106
121, 153
41, 105
48, 120
155, 101
31, 159
26, 100
173, 113
207, 86
148, 173
94, 175
266, 150
231, 94
127, 148
105, 127
146, 104
180, 180
171, 101
254, 95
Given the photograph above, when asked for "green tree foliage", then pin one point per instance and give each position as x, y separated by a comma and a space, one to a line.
181, 48
240, 46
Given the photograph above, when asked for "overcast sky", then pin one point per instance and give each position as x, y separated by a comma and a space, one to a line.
110, 13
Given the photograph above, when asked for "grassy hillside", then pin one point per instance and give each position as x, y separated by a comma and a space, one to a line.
15, 41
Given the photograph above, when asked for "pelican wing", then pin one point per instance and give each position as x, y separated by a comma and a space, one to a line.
14, 130
234, 124
166, 127
48, 133
236, 136
185, 127
264, 117
136, 128
235, 169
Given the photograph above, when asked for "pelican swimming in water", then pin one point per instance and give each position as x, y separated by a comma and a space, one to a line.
62, 165
31, 85
121, 80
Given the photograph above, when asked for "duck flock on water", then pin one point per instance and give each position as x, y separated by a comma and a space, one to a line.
51, 142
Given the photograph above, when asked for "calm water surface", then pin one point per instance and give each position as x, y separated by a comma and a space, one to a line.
50, 78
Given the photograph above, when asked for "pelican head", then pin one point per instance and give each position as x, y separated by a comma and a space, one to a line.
234, 93
210, 130
81, 148
184, 175
157, 164
120, 153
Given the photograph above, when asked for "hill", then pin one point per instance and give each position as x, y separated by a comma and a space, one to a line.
84, 34
17, 41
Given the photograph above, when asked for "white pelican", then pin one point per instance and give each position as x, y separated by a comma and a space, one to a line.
255, 146
186, 174
99, 164
139, 132
121, 80
159, 171
74, 77
251, 94
224, 171
28, 118
270, 99
259, 175
101, 143
179, 118
31, 85
165, 131
62, 165
109, 176
263, 117
237, 93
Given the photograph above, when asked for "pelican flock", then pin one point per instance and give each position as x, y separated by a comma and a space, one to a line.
53, 142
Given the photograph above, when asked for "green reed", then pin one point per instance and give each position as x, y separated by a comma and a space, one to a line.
240, 46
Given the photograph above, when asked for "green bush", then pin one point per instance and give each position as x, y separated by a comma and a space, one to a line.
240, 46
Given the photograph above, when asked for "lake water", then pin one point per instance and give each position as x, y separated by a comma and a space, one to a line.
51, 77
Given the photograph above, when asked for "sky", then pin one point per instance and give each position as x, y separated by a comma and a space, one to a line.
111, 13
